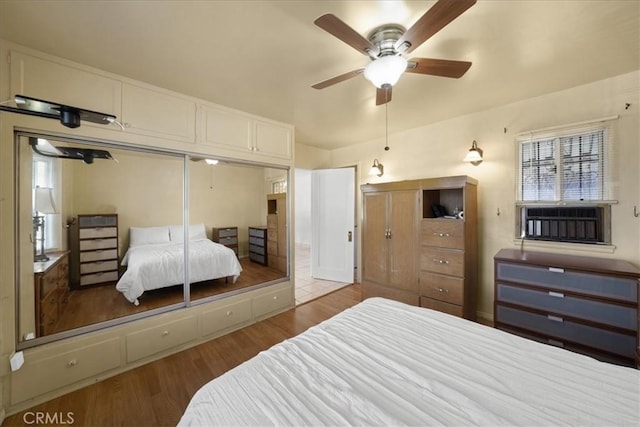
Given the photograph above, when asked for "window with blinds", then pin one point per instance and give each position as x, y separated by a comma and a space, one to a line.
570, 167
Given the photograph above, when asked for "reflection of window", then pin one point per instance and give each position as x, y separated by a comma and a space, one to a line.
568, 167
279, 186
46, 174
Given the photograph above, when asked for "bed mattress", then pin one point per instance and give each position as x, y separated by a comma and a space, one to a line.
382, 362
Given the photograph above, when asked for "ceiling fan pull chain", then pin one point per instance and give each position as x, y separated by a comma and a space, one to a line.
386, 124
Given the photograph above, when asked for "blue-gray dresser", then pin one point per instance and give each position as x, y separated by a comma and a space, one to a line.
585, 304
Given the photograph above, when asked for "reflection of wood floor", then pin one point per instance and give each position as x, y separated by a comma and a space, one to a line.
100, 303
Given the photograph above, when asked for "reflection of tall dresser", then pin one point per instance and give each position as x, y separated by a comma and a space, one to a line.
277, 231
51, 280
94, 248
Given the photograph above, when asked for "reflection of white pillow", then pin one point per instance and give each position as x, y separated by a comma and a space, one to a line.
139, 236
196, 232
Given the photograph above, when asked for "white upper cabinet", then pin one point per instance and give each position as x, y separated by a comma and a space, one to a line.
157, 113
58, 82
245, 135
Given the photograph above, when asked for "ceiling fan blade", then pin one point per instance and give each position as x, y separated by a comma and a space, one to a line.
333, 25
383, 95
438, 67
435, 19
338, 79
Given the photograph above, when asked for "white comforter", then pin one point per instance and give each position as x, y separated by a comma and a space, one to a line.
386, 363
161, 265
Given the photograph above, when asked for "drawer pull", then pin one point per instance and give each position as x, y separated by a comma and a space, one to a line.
446, 291
229, 313
275, 297
440, 261
555, 318
442, 234
71, 363
165, 333
556, 294
556, 270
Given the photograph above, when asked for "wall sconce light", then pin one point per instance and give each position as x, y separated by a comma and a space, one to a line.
474, 156
377, 168
44, 205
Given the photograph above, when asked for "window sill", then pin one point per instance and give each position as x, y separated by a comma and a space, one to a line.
581, 247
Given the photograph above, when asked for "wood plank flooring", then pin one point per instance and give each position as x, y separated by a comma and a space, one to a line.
156, 394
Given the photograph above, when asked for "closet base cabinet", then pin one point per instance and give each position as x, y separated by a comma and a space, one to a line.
411, 255
584, 304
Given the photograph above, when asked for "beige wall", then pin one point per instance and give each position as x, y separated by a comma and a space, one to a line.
147, 190
438, 150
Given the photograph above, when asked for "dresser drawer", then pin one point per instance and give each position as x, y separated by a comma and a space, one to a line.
100, 277
257, 249
228, 240
98, 255
272, 221
556, 302
272, 234
557, 327
49, 282
94, 267
619, 288
444, 261
444, 233
227, 232
97, 220
90, 245
272, 247
444, 288
257, 232
444, 307
225, 317
257, 258
98, 233
256, 240
150, 341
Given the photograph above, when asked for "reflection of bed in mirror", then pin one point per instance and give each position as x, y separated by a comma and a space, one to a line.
155, 259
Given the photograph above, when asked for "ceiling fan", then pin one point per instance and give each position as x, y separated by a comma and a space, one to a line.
386, 46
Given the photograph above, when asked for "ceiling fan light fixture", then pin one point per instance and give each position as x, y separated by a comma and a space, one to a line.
385, 70
211, 161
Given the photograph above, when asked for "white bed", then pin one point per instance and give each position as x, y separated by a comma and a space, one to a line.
386, 363
155, 259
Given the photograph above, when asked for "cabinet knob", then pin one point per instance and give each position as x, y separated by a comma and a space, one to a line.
440, 261
446, 291
165, 333
275, 297
229, 313
72, 363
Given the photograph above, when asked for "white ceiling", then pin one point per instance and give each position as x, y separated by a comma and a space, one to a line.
263, 56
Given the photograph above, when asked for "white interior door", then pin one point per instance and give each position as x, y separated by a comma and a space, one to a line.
332, 224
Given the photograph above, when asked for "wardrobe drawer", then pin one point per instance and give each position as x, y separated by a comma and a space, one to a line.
49, 373
90, 245
444, 288
444, 233
94, 267
98, 233
444, 261
272, 301
444, 307
150, 341
225, 317
557, 327
98, 255
557, 302
100, 277
620, 288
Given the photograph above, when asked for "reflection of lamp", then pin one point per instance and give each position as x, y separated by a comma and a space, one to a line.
474, 156
376, 168
211, 161
385, 70
44, 205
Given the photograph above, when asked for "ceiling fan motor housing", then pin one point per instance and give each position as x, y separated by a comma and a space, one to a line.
385, 38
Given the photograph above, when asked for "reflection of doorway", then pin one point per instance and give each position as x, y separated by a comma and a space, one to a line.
308, 287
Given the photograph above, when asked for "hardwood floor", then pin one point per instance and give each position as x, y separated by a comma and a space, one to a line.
99, 303
156, 394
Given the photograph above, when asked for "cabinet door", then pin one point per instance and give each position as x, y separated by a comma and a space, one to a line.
403, 241
272, 140
159, 114
227, 129
374, 240
52, 81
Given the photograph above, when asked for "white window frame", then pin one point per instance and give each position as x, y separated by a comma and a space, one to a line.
49, 178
